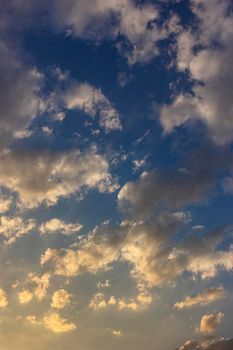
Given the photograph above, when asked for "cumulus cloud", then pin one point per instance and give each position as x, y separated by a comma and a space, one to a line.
93, 253
206, 54
210, 322
12, 228
92, 101
136, 25
174, 187
39, 284
3, 299
147, 247
54, 322
25, 296
43, 177
139, 303
60, 299
206, 297
20, 98
105, 284
5, 203
117, 333
56, 225
136, 29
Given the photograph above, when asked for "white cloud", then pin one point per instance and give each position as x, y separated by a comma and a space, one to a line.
105, 284
54, 322
25, 296
211, 101
204, 298
19, 95
3, 299
44, 177
39, 284
139, 303
12, 228
153, 258
91, 101
5, 203
135, 23
117, 333
56, 225
60, 299
210, 322
47, 130
174, 187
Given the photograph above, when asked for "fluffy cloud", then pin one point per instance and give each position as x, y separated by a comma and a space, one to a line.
175, 187
147, 246
60, 299
54, 322
204, 298
39, 284
44, 177
25, 296
210, 69
56, 225
135, 24
3, 299
91, 101
210, 322
12, 228
138, 303
136, 29
19, 95
93, 253
5, 203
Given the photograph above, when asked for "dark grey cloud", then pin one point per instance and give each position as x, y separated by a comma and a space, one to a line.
190, 183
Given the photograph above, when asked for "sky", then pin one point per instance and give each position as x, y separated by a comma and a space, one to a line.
116, 174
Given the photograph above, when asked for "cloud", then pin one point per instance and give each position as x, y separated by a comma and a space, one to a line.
91, 101
44, 176
19, 95
135, 29
3, 299
204, 298
60, 299
12, 228
25, 296
39, 284
93, 254
135, 26
138, 303
52, 321
210, 322
5, 203
99, 302
55, 323
172, 188
47, 130
148, 247
207, 344
105, 284
206, 55
56, 225
117, 333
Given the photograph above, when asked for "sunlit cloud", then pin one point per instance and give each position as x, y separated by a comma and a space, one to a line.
210, 322
204, 298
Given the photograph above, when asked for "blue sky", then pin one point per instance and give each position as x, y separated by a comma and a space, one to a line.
116, 177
